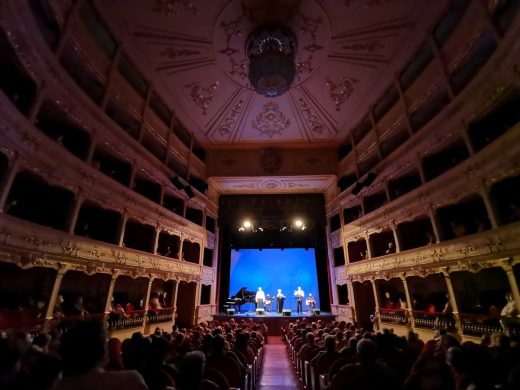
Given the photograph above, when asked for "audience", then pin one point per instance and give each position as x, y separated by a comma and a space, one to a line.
383, 360
217, 355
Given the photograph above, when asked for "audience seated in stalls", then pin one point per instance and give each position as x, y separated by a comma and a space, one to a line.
82, 350
383, 360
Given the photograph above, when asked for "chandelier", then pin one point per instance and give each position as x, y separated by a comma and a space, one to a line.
271, 51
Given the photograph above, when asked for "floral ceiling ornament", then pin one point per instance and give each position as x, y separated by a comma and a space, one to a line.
202, 96
271, 120
368, 47
167, 7
339, 93
174, 53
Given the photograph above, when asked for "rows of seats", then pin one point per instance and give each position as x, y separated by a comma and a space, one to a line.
214, 355
336, 355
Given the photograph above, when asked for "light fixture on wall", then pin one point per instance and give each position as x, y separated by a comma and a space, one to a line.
271, 51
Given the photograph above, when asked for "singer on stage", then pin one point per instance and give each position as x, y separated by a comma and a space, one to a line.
280, 298
260, 298
299, 294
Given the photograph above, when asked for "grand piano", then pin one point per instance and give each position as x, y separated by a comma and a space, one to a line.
242, 296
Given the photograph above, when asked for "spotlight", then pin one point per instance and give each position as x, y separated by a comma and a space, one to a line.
247, 224
298, 223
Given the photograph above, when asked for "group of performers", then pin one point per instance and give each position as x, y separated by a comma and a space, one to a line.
265, 300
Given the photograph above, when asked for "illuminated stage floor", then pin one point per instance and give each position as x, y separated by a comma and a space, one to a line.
274, 320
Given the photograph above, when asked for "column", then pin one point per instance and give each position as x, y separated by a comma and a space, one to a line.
352, 299
409, 307
374, 128
404, 104
181, 257
513, 284
8, 182
396, 238
197, 302
71, 17
484, 193
54, 293
354, 149
376, 299
463, 130
453, 301
75, 213
156, 239
369, 247
442, 65
420, 169
91, 148
175, 294
37, 103
147, 299
110, 77
143, 113
122, 228
489, 20
435, 227
108, 304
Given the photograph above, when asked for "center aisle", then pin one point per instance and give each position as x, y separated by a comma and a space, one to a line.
277, 371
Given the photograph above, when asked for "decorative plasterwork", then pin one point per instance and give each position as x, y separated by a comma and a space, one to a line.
367, 47
168, 7
298, 184
174, 53
271, 121
202, 96
472, 253
29, 245
339, 93
228, 125
313, 120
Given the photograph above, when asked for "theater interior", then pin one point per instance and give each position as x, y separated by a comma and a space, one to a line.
147, 145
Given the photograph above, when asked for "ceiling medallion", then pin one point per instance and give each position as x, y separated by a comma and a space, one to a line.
202, 96
271, 52
271, 120
339, 93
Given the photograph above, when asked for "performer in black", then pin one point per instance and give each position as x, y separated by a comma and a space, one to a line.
299, 294
280, 298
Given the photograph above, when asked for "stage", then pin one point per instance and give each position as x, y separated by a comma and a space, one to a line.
274, 320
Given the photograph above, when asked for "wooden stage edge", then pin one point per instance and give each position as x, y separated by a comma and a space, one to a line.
274, 321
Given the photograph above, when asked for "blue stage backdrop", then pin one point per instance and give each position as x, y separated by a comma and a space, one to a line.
272, 269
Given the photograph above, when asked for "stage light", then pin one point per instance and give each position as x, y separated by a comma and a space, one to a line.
247, 224
298, 223
241, 229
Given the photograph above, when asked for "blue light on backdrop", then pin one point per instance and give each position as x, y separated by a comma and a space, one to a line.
272, 269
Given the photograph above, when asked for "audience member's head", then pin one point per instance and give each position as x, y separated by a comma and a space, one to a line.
366, 351
83, 347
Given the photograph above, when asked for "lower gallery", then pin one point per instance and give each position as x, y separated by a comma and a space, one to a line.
255, 194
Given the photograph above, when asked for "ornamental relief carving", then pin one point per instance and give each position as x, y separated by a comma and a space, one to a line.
458, 256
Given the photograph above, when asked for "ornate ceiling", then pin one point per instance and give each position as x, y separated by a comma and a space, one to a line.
194, 53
